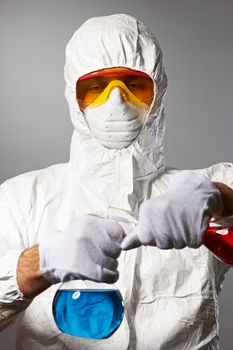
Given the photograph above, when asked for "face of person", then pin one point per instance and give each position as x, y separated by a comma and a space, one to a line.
130, 83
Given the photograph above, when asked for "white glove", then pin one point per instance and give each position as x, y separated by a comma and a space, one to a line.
178, 218
88, 249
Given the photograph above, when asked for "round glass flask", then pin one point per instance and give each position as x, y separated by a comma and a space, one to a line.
218, 239
88, 309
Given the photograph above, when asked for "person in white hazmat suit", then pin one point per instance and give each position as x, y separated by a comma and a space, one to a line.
61, 222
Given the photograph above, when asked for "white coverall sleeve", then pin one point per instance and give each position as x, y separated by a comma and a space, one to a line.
12, 301
222, 172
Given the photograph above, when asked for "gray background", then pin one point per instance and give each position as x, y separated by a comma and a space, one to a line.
196, 37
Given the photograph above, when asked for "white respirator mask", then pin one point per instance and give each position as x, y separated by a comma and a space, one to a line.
117, 122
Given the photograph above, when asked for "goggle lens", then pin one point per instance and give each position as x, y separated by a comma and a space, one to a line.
90, 86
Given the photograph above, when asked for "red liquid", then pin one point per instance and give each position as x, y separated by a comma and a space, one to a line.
220, 244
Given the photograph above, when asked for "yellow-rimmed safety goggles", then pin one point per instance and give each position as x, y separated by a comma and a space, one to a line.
94, 89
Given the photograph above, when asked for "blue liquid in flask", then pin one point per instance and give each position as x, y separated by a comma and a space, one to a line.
88, 313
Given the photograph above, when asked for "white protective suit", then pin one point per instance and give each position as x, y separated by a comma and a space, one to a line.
171, 296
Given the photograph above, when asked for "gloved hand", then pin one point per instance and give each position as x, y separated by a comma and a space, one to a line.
178, 218
88, 249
